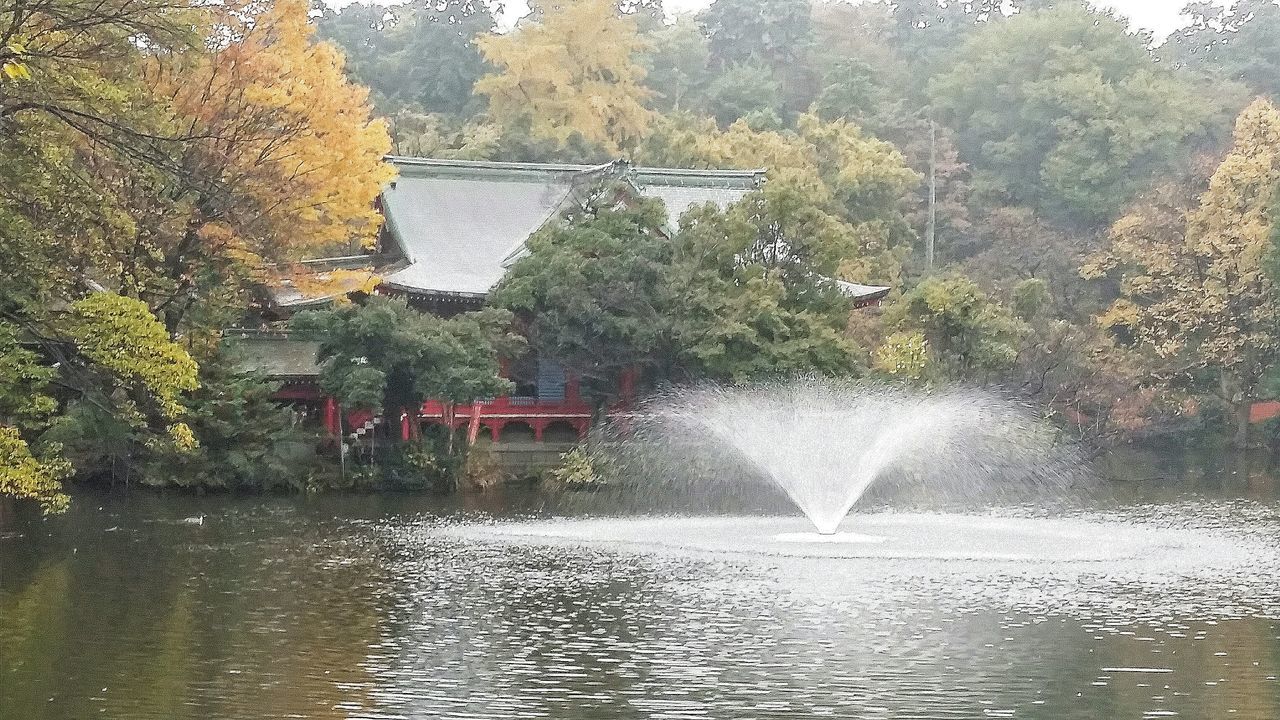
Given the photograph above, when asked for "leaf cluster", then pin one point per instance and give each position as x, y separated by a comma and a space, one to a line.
383, 355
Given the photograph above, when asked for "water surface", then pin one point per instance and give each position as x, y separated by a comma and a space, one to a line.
421, 607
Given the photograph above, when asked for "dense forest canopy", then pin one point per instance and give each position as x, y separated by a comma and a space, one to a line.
1062, 207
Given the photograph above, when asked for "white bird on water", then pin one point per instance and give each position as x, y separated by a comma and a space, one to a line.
194, 520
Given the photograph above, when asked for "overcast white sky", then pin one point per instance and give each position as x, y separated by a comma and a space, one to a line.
1160, 16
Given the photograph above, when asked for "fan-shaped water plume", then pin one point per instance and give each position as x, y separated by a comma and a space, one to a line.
823, 442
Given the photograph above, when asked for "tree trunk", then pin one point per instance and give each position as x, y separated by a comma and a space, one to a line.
1241, 411
932, 225
1238, 392
448, 419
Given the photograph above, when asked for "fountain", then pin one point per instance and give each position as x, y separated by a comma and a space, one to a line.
955, 496
825, 442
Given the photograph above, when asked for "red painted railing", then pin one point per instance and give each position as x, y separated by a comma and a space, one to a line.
492, 416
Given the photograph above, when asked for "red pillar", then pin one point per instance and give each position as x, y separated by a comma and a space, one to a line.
627, 385
404, 425
331, 415
474, 428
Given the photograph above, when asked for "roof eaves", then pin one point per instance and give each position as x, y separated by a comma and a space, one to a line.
593, 174
663, 174
412, 289
858, 291
418, 167
393, 229
687, 177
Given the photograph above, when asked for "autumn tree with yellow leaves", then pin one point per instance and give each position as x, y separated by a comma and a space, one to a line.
1194, 290
281, 160
837, 167
141, 195
572, 73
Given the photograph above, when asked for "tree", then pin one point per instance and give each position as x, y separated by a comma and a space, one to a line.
851, 90
752, 289
1193, 286
872, 74
25, 408
120, 377
1240, 43
76, 62
772, 33
247, 439
71, 86
929, 32
751, 39
249, 146
419, 57
575, 72
417, 134
1086, 381
675, 64
589, 293
384, 356
968, 335
1008, 245
1062, 110
749, 92
858, 179
737, 293
26, 477
162, 151
284, 160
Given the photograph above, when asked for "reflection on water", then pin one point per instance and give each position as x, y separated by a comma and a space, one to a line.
377, 607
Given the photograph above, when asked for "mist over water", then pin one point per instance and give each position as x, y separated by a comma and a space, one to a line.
825, 443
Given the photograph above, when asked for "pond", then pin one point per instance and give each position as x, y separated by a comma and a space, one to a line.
510, 604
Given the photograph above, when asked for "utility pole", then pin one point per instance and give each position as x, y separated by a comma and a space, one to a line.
931, 226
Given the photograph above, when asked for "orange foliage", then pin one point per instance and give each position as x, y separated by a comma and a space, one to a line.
271, 118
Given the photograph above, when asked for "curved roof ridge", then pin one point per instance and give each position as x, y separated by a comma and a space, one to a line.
648, 173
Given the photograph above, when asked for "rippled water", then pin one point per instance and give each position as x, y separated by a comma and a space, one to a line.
500, 607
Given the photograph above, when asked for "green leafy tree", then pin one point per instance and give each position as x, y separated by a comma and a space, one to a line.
125, 383
768, 36
746, 91
752, 290
773, 33
27, 477
969, 335
930, 32
1063, 110
676, 66
1239, 43
122, 383
385, 356
247, 440
76, 62
737, 293
420, 56
851, 90
858, 179
25, 408
589, 293
120, 336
